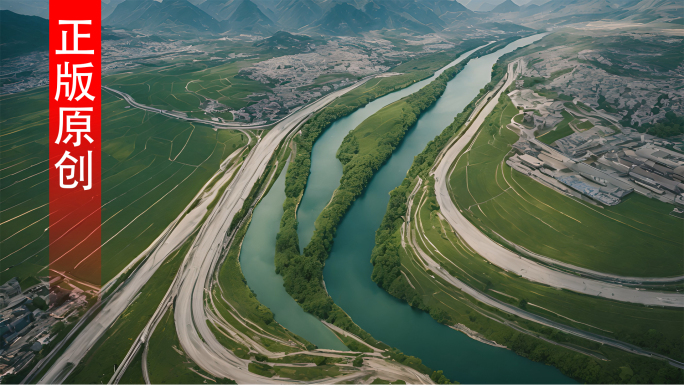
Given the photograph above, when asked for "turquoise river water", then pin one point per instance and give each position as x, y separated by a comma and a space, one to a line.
348, 270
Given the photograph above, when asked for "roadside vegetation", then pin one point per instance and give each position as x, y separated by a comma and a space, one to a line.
302, 273
98, 364
167, 362
398, 271
385, 256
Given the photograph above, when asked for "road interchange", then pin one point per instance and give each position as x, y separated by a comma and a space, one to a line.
194, 276
197, 340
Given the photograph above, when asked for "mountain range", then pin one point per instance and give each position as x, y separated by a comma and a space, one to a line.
38, 8
266, 17
506, 7
248, 17
286, 43
297, 14
169, 16
21, 34
353, 17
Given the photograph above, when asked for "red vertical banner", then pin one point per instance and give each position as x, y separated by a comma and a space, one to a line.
75, 141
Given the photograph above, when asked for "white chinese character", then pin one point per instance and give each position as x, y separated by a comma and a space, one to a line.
75, 50
76, 77
71, 168
73, 122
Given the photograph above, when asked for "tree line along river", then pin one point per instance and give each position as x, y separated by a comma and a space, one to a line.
348, 270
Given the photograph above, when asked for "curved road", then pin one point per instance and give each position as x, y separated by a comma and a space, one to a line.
175, 234
172, 237
437, 269
179, 115
510, 261
197, 340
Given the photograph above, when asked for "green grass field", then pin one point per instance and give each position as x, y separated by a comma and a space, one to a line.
134, 375
166, 361
656, 329
585, 125
183, 86
601, 316
308, 373
377, 125
24, 184
152, 166
635, 238
561, 131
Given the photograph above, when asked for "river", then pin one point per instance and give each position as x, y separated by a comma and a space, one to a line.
348, 270
326, 170
258, 266
258, 247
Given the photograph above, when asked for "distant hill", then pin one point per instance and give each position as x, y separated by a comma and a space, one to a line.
247, 17
108, 6
285, 43
486, 7
170, 16
20, 34
384, 18
344, 19
295, 14
475, 5
562, 8
442, 7
449, 10
506, 7
219, 9
268, 8
646, 11
224, 9
415, 10
128, 12
541, 14
38, 8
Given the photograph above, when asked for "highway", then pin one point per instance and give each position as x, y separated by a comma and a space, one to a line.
409, 237
193, 278
172, 237
197, 340
505, 258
